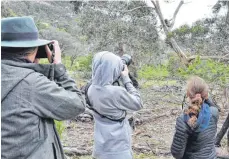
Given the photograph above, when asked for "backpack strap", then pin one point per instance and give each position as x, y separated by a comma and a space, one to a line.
89, 106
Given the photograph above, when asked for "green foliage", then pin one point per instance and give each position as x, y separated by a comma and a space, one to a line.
7, 12
81, 63
85, 63
12, 13
61, 29
174, 64
60, 127
210, 70
83, 38
170, 35
187, 30
184, 29
152, 72
197, 29
44, 61
42, 25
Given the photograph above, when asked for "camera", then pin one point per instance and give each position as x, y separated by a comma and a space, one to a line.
126, 59
41, 53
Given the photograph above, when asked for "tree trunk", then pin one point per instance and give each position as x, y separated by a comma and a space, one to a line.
172, 41
73, 57
227, 17
120, 49
186, 60
223, 131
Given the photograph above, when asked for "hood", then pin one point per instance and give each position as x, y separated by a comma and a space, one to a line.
13, 72
106, 68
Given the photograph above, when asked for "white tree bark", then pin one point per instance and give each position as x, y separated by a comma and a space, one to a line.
186, 60
175, 46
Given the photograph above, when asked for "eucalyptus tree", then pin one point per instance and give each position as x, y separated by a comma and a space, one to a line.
121, 27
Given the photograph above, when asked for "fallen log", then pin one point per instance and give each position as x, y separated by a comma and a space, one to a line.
73, 151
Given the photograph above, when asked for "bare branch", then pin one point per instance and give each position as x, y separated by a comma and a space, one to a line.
222, 58
136, 9
226, 55
217, 7
158, 9
175, 13
227, 17
225, 47
172, 41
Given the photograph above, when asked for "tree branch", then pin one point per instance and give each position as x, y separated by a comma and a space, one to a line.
172, 41
158, 9
222, 58
175, 13
137, 8
227, 17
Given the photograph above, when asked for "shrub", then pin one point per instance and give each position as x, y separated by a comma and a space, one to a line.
60, 127
210, 70
153, 72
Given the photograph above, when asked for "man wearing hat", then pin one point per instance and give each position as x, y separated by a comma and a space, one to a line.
33, 94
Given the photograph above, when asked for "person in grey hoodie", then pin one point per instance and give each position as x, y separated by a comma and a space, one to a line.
30, 100
112, 132
196, 128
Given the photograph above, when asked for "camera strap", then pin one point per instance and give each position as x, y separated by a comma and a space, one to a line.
89, 106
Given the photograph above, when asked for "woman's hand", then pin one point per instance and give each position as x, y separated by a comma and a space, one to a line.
125, 72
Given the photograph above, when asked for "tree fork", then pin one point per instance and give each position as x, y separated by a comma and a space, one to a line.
154, 4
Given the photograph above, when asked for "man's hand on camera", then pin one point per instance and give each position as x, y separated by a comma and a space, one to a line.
36, 60
57, 57
125, 72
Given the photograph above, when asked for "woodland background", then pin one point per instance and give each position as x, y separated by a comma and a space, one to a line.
163, 58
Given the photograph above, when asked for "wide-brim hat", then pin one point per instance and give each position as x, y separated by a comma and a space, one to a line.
20, 32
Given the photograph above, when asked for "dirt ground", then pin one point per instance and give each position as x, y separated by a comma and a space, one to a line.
155, 125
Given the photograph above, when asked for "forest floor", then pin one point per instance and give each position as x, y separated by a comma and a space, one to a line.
155, 125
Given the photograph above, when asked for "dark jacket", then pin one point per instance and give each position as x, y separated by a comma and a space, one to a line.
188, 144
30, 102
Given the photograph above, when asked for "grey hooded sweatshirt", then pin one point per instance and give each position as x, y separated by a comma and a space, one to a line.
30, 102
112, 139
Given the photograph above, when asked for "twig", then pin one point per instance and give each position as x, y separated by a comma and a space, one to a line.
137, 8
151, 148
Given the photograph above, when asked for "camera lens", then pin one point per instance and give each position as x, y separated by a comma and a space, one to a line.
126, 59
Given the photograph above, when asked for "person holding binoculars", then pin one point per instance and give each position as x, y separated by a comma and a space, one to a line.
110, 104
33, 94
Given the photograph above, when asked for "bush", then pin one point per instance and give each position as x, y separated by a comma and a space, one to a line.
153, 72
174, 64
81, 63
85, 63
210, 70
60, 127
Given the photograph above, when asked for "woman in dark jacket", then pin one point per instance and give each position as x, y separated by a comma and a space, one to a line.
196, 127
